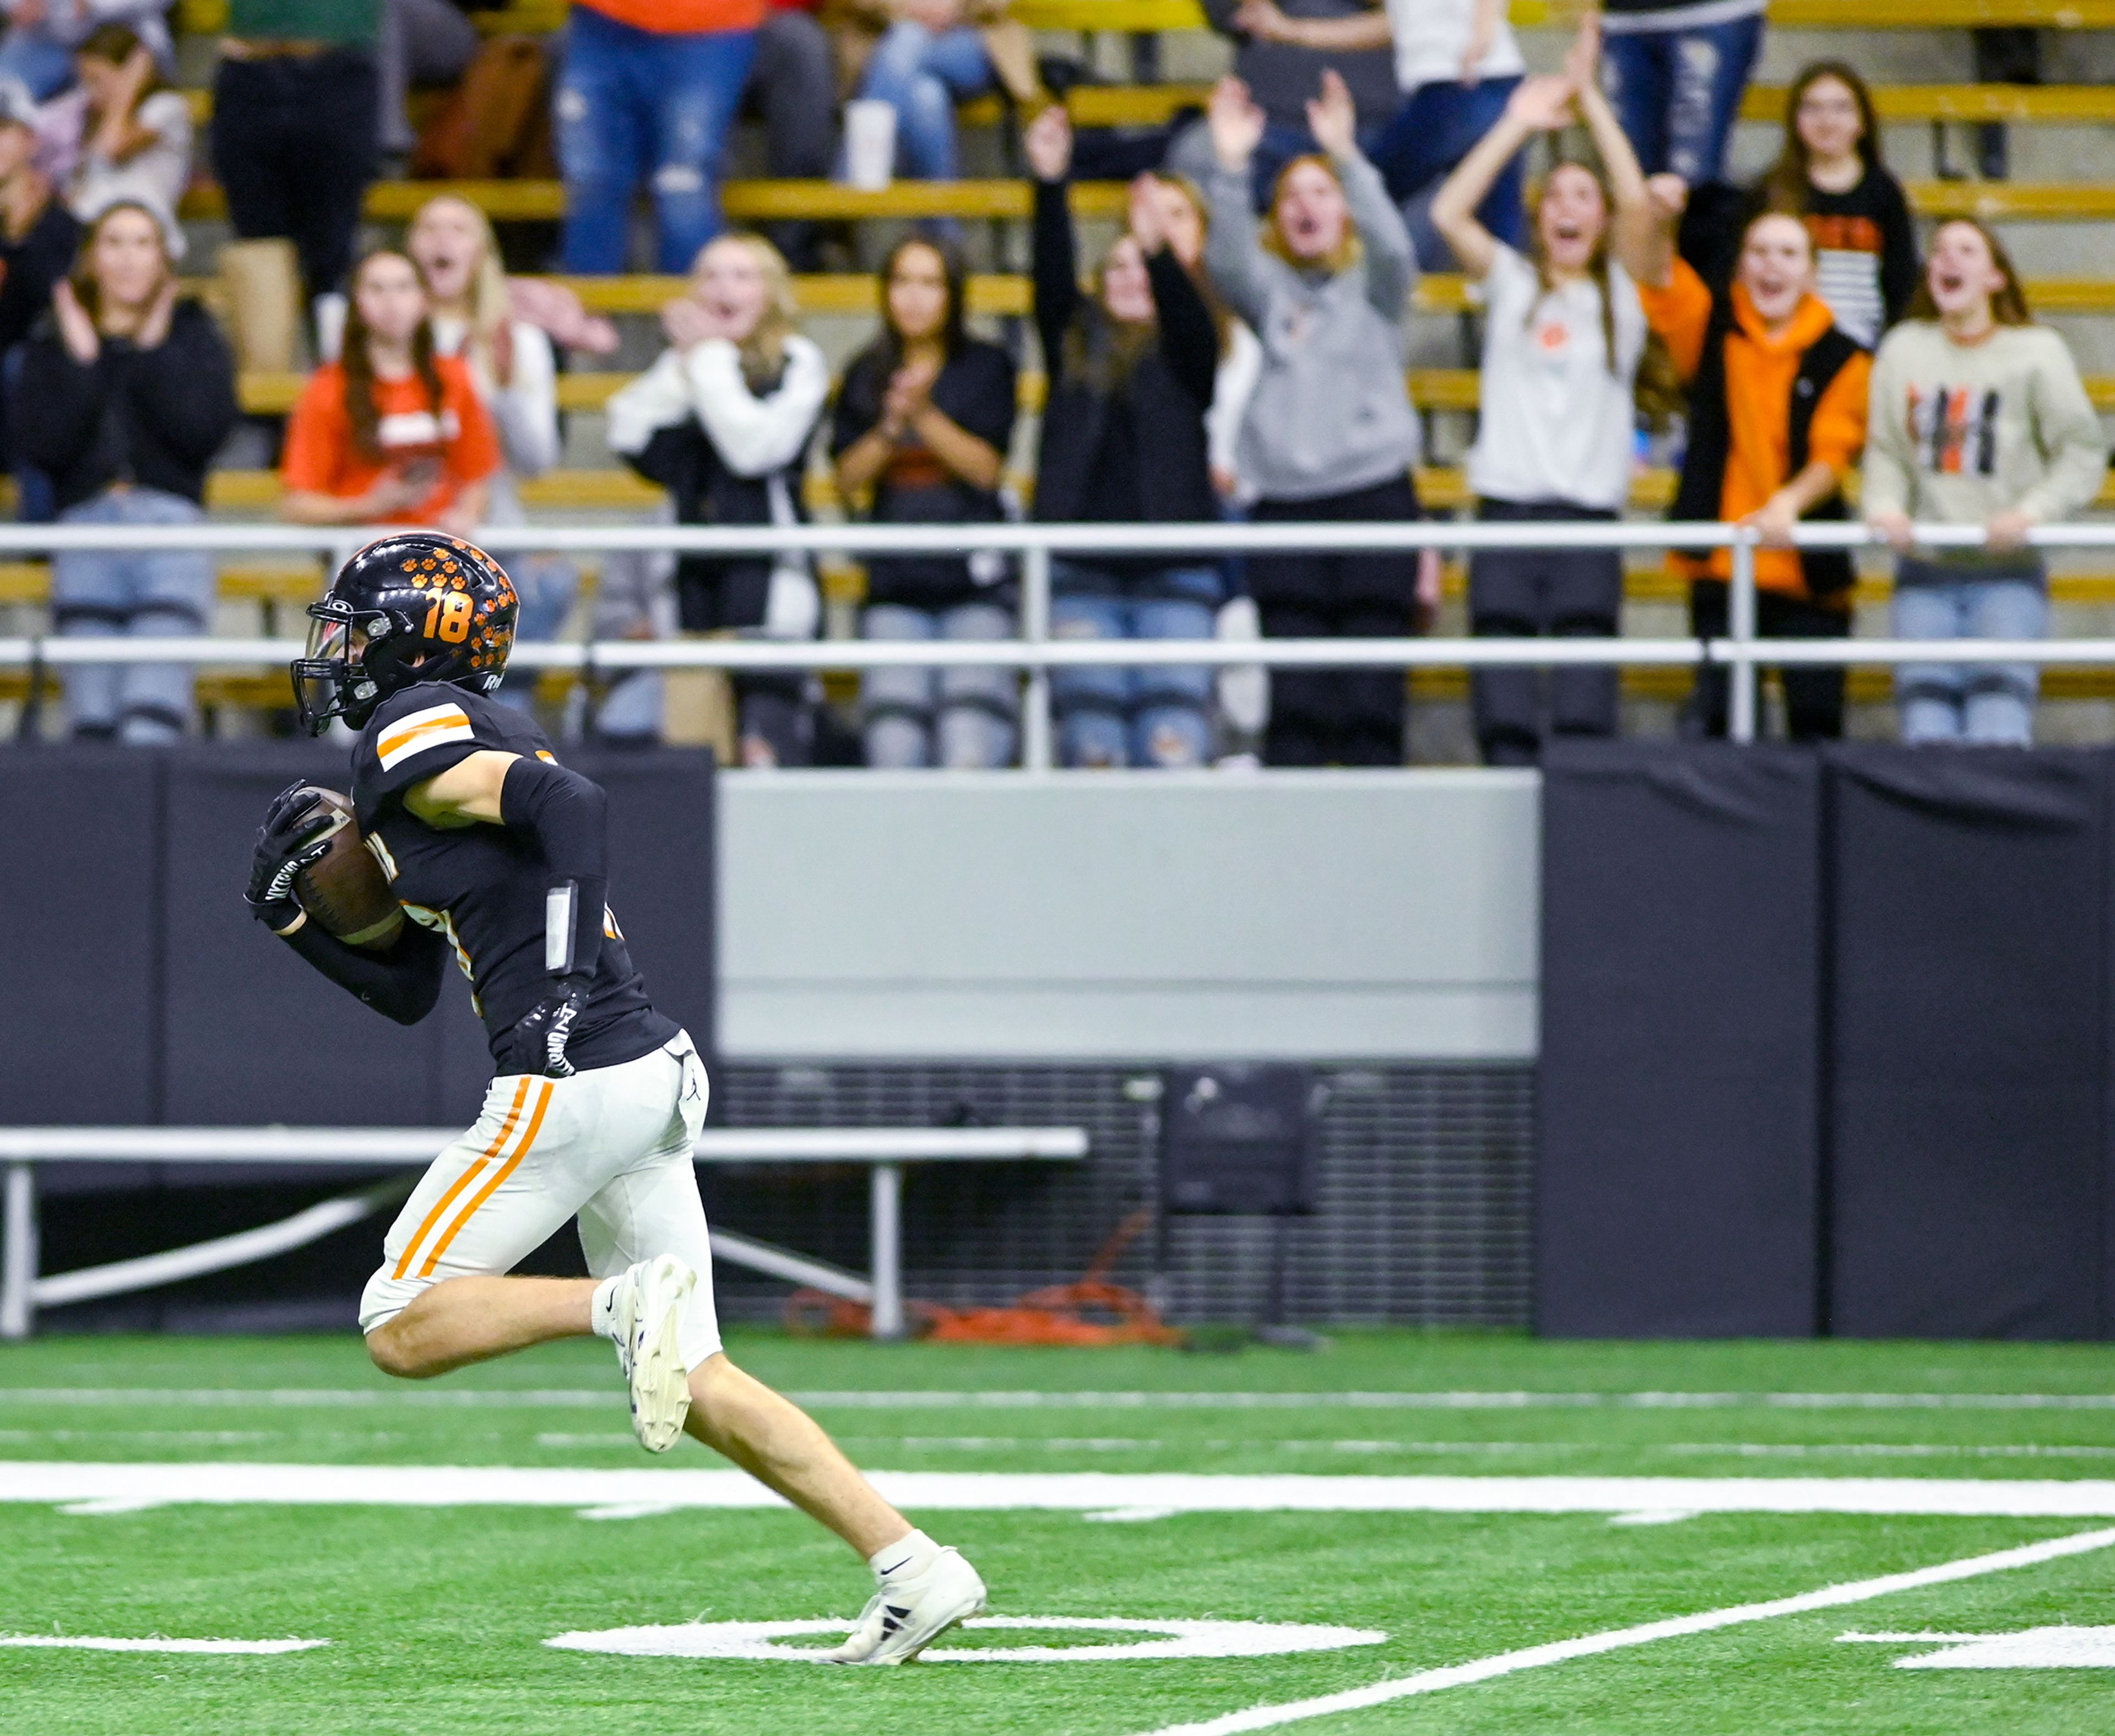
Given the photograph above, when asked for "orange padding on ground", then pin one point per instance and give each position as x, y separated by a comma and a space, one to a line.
1089, 1313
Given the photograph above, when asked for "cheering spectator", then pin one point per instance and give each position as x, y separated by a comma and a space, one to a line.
135, 391
1776, 416
44, 35
1457, 64
1281, 73
793, 85
136, 133
923, 421
1329, 434
723, 420
1676, 70
648, 92
39, 239
1123, 442
1564, 331
294, 108
511, 363
391, 433
1978, 417
1830, 174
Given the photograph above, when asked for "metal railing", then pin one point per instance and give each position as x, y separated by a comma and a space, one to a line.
1037, 654
884, 1152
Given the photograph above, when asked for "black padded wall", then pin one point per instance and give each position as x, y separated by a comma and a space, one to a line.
81, 866
1970, 1052
1677, 1095
138, 989
253, 1034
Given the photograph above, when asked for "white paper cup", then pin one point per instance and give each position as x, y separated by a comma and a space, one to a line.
869, 143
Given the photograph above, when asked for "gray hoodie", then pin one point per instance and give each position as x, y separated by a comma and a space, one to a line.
1331, 413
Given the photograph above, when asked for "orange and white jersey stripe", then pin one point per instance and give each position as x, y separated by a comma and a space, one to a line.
417, 732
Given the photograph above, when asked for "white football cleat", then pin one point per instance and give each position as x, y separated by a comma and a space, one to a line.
907, 1614
649, 1310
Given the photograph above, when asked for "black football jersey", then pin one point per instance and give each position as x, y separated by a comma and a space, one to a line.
483, 887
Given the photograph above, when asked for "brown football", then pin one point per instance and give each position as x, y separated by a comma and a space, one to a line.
347, 890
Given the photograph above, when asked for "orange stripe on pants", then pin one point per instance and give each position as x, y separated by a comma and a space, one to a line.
485, 1192
464, 1180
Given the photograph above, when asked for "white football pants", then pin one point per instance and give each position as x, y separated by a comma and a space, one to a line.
611, 1145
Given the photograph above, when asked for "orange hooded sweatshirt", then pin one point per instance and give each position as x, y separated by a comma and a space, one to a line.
1760, 373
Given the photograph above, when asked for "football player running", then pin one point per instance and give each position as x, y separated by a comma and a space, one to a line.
497, 855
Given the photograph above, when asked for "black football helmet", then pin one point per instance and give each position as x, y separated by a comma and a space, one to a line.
413, 606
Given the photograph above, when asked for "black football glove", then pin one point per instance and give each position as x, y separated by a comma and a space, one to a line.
295, 833
537, 1043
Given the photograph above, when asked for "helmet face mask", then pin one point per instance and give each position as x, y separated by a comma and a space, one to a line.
414, 606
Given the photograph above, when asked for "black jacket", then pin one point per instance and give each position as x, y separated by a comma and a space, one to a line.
976, 392
154, 418
1828, 572
1165, 393
716, 592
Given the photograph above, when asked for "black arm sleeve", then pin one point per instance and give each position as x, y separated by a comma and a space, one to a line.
1189, 341
1056, 273
401, 984
568, 817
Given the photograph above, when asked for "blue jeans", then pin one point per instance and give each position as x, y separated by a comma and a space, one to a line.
1678, 92
1983, 702
102, 595
633, 104
963, 718
922, 76
33, 57
1430, 134
1111, 716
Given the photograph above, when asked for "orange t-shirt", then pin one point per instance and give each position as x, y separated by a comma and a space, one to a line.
677, 18
459, 441
1760, 372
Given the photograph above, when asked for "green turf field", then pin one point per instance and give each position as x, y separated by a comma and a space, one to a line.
417, 1544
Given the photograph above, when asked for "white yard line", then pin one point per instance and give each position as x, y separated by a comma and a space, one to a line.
75, 1483
86, 1642
943, 1398
1617, 1639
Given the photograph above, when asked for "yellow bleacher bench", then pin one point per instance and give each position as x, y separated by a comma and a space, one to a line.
2075, 105
761, 201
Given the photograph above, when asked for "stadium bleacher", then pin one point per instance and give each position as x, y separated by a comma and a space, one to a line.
1440, 391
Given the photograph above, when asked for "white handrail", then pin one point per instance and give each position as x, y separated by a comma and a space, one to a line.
213, 536
374, 1146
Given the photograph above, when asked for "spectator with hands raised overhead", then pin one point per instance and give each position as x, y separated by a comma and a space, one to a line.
1131, 371
1564, 334
1456, 65
1329, 435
